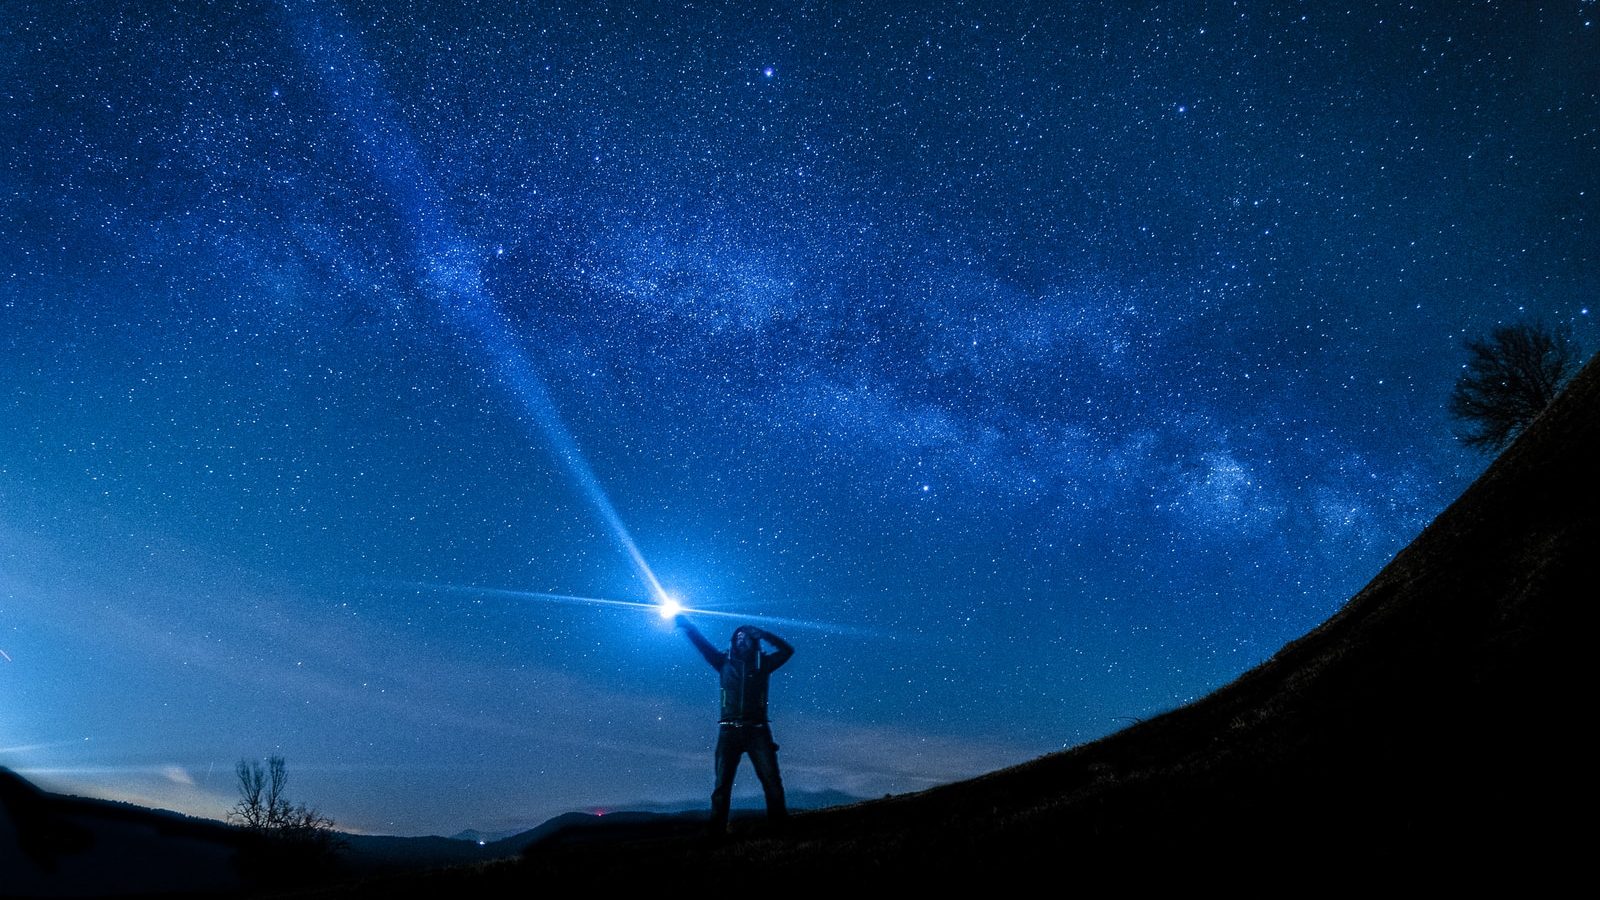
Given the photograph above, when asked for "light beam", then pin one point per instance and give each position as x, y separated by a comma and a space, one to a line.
449, 262
660, 607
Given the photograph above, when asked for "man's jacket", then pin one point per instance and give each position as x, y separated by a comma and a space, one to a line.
744, 682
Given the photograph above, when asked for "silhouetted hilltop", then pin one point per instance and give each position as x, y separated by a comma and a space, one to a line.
57, 845
52, 845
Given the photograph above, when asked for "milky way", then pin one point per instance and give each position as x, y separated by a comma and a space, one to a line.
1042, 366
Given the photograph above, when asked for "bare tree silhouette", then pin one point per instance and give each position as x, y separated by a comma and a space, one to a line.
264, 806
1509, 379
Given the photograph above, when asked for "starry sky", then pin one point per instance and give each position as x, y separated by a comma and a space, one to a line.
1032, 368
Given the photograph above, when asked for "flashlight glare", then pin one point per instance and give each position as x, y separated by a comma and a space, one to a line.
670, 607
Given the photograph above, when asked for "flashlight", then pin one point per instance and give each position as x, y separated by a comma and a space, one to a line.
669, 607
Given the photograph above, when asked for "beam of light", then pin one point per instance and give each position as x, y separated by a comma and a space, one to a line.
538, 596
6, 655
449, 262
659, 607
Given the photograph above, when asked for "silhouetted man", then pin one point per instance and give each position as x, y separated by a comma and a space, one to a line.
743, 727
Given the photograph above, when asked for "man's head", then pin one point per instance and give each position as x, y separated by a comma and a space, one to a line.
746, 641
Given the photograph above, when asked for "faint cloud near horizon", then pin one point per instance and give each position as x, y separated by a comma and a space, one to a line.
168, 786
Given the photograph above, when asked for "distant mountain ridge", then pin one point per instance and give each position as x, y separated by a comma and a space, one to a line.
58, 845
797, 801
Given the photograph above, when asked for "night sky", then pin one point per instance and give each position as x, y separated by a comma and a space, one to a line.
1033, 368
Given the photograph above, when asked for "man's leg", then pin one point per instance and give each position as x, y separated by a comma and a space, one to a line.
764, 757
729, 746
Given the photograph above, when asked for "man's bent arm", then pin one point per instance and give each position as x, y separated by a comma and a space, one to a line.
713, 656
781, 652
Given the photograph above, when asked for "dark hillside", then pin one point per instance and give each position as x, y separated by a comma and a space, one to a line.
1427, 731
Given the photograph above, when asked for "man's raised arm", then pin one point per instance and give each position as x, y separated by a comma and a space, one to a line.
713, 656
